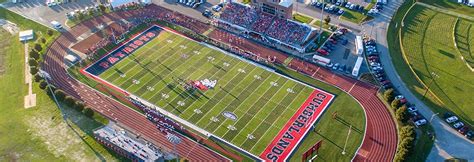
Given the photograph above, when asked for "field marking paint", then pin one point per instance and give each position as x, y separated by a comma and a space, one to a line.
271, 124
249, 106
299, 95
220, 100
254, 115
287, 133
350, 89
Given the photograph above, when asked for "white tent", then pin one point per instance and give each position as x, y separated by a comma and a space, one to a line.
71, 58
26, 35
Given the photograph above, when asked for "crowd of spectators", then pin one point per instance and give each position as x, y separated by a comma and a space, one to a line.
239, 15
283, 30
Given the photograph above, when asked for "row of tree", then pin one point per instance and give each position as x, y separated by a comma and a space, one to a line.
407, 132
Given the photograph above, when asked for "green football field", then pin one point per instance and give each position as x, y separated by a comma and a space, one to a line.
262, 100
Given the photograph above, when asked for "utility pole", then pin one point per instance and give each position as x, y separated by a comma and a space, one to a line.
321, 24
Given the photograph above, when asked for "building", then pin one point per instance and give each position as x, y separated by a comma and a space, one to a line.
280, 8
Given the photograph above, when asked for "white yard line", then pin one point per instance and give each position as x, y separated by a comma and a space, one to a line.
286, 109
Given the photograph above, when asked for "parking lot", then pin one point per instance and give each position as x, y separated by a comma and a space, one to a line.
38, 11
192, 12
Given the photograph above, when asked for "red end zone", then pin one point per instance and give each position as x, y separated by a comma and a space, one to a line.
296, 128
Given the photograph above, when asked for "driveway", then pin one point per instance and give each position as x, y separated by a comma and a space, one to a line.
448, 142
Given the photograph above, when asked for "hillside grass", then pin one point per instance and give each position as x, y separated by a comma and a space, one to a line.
39, 133
428, 43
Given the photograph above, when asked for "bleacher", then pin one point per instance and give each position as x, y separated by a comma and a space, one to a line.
283, 31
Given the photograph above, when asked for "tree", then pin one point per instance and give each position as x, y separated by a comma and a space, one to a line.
395, 104
34, 54
79, 106
327, 20
38, 47
70, 101
32, 62
38, 78
42, 40
407, 131
43, 84
88, 112
102, 8
60, 95
50, 32
388, 95
33, 70
401, 114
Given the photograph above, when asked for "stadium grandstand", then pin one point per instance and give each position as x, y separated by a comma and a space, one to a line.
282, 33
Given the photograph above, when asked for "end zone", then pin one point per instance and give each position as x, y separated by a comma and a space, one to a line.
297, 127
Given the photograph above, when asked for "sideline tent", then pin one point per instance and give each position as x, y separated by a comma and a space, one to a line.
26, 35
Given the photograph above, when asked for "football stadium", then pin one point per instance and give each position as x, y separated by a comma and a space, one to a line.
247, 106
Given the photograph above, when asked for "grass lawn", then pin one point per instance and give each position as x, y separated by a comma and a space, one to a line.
464, 37
451, 5
38, 133
428, 44
167, 62
318, 22
302, 18
353, 16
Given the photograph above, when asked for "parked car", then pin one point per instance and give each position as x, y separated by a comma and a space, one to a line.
470, 134
336, 66
216, 8
420, 122
386, 86
458, 125
330, 65
322, 52
401, 98
56, 25
463, 130
412, 109
452, 119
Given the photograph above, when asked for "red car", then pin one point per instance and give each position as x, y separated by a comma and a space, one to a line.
322, 52
463, 130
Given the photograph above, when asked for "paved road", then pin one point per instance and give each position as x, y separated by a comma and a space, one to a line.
448, 142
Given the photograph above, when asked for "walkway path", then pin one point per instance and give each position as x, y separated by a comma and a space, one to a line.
448, 143
30, 98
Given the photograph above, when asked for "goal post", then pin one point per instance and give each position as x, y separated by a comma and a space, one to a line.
312, 152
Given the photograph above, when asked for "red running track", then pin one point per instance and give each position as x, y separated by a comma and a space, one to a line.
380, 140
122, 115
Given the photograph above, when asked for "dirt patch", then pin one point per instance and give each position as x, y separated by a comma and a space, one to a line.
9, 26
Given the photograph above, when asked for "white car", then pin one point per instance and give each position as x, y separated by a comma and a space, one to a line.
216, 8
399, 97
412, 109
420, 122
452, 119
56, 25
348, 4
458, 125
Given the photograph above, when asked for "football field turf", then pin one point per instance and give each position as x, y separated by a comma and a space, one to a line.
260, 102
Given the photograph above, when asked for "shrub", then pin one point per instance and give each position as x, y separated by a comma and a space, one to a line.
43, 84
60, 95
50, 32
88, 112
395, 104
38, 47
32, 62
38, 78
401, 114
33, 70
34, 54
70, 101
102, 8
388, 95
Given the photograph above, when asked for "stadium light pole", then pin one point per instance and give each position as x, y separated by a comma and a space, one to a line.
432, 117
347, 138
434, 75
321, 24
